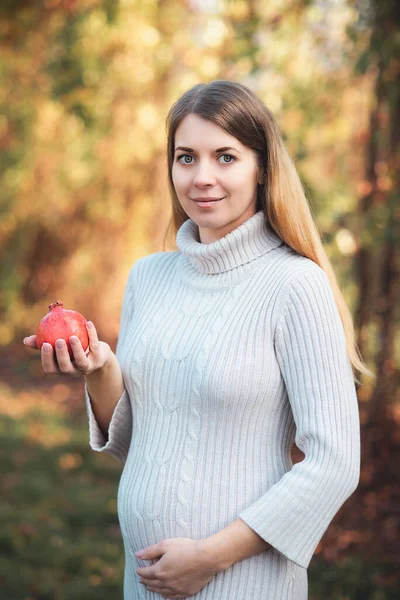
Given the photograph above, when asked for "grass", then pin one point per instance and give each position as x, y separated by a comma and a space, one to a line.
353, 579
59, 534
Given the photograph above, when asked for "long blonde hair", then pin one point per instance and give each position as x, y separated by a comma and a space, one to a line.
237, 110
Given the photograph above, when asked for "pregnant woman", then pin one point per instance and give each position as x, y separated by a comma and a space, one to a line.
231, 348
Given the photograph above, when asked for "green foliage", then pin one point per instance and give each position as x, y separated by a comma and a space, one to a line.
58, 514
353, 579
362, 63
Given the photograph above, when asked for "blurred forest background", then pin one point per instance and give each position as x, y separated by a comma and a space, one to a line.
85, 87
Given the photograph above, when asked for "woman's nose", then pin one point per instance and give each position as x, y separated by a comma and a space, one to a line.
204, 174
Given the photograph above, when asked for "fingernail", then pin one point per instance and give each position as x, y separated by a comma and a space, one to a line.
89, 325
73, 339
25, 340
46, 348
59, 343
139, 554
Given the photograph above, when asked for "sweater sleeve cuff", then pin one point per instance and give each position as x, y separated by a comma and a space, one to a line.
275, 533
119, 432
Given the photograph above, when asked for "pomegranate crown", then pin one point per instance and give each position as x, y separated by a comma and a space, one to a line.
55, 303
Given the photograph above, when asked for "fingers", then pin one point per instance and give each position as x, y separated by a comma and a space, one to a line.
56, 360
59, 360
63, 358
49, 362
81, 360
48, 356
93, 338
31, 341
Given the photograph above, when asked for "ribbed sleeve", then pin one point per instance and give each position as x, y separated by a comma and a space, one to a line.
120, 428
310, 347
119, 432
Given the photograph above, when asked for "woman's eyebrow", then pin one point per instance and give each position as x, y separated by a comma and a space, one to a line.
224, 149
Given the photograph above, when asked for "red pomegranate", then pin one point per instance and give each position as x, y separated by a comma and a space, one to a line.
62, 323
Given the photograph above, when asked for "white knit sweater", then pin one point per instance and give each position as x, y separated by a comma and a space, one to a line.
230, 352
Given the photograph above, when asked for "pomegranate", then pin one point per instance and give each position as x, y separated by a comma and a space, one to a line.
62, 323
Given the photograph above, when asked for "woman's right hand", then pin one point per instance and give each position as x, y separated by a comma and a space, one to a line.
59, 361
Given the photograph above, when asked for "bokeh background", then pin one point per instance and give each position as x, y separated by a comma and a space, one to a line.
85, 86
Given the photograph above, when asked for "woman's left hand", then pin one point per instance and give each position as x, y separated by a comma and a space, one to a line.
185, 567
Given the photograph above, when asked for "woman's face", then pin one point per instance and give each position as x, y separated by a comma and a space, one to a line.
202, 169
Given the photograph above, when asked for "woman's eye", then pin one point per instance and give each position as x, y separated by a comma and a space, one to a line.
230, 156
184, 156
189, 163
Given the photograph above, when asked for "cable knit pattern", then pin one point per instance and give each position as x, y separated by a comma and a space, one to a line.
231, 352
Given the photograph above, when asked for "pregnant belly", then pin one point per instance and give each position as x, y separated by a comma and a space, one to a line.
154, 503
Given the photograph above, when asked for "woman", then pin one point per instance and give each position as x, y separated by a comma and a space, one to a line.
231, 348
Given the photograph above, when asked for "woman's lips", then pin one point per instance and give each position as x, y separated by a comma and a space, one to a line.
206, 203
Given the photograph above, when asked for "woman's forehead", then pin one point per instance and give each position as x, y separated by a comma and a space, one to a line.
200, 134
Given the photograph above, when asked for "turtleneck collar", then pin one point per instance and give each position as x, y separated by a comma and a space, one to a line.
251, 240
